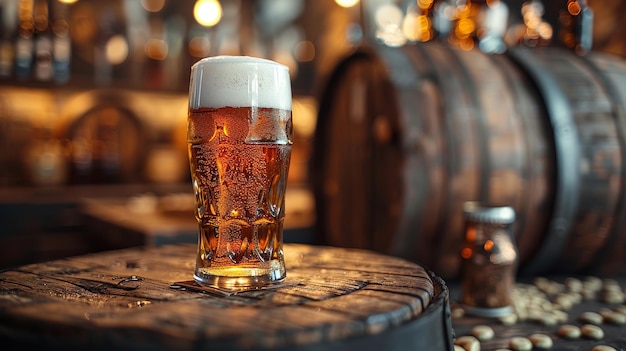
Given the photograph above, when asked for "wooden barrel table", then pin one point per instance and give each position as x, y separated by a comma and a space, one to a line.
332, 299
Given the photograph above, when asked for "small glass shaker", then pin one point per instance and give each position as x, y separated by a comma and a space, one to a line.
489, 259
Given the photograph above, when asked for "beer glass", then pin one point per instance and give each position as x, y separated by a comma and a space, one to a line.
239, 140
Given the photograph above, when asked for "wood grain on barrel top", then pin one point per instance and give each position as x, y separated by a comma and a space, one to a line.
124, 298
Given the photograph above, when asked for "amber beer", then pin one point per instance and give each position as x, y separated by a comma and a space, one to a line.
239, 138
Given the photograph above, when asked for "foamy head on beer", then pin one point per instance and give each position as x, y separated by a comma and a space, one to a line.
245, 82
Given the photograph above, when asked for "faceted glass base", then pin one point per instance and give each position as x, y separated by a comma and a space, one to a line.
242, 276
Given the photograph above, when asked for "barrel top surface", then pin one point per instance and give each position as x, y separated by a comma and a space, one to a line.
129, 297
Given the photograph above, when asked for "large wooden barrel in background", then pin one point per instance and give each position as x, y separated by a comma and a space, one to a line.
406, 135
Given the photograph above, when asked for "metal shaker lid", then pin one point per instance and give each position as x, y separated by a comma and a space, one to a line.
488, 213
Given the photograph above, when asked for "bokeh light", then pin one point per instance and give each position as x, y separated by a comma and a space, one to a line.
153, 5
346, 3
207, 12
199, 46
305, 51
116, 49
156, 49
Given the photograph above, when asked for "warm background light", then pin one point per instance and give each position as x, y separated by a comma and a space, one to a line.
156, 49
207, 12
305, 51
153, 5
116, 49
199, 46
346, 3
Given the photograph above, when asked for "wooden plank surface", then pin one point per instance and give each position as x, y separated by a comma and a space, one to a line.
124, 299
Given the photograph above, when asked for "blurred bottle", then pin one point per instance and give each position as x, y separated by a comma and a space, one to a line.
443, 16
61, 44
492, 27
43, 42
108, 27
24, 45
6, 47
576, 26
